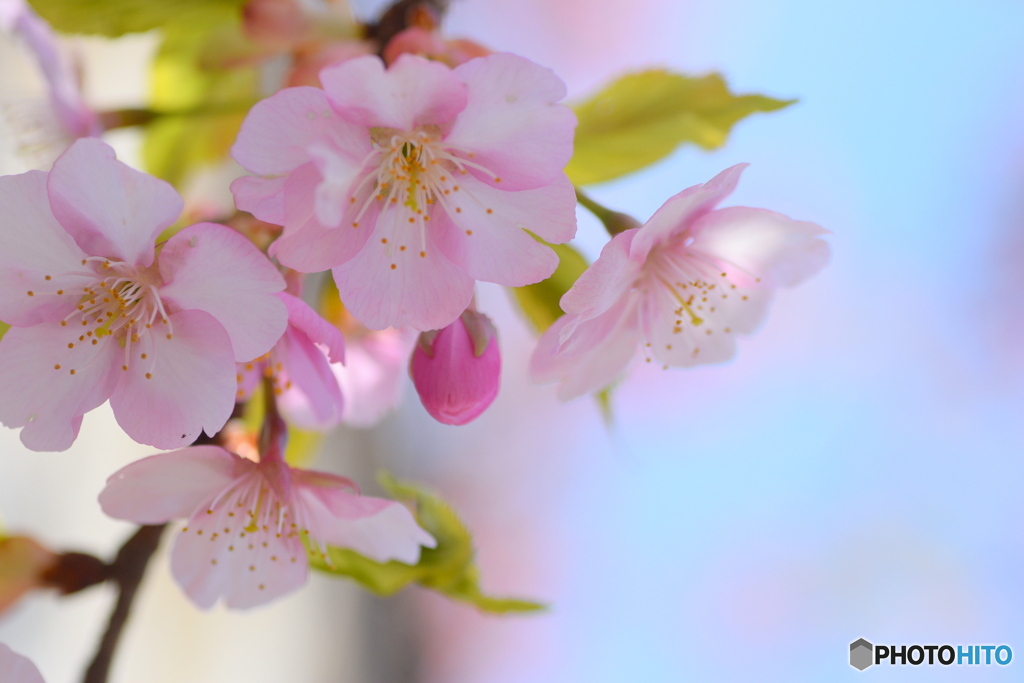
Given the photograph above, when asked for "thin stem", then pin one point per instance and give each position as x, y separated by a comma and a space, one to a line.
126, 571
403, 14
614, 221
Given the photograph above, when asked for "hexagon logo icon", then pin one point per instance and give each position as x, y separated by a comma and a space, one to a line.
861, 654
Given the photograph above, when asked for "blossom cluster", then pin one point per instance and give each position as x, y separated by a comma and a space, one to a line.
410, 179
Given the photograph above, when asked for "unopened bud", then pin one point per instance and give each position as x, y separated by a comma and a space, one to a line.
457, 370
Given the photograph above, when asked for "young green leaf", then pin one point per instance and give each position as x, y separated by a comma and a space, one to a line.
642, 117
448, 568
113, 18
204, 104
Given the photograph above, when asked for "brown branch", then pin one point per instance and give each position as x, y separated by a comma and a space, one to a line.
126, 571
403, 14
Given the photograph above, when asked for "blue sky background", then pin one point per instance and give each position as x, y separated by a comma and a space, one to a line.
856, 471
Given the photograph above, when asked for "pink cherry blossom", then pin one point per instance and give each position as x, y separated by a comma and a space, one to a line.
73, 117
299, 368
684, 284
97, 313
414, 181
374, 375
246, 521
15, 668
429, 43
457, 370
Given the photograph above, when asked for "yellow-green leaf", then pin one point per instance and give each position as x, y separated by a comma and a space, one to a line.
3, 329
642, 117
448, 568
202, 105
540, 301
114, 18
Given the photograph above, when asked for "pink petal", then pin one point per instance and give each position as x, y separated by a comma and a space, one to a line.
15, 668
341, 174
109, 208
61, 74
380, 529
262, 197
277, 133
423, 292
219, 555
168, 486
300, 195
33, 246
605, 281
680, 211
485, 236
39, 391
314, 327
511, 123
314, 399
212, 268
762, 248
592, 367
682, 341
494, 249
312, 248
191, 387
412, 92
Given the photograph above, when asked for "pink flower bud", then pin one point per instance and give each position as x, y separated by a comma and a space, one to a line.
426, 43
457, 370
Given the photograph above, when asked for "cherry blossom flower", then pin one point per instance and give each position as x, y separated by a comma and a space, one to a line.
457, 370
428, 43
247, 521
48, 130
415, 181
299, 368
97, 314
15, 668
684, 284
374, 375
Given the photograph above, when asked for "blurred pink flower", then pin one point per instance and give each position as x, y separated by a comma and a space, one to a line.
428, 43
412, 182
373, 377
247, 520
17, 669
62, 76
97, 314
299, 368
685, 284
457, 370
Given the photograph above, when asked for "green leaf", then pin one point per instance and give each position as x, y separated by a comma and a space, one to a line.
203, 104
113, 18
3, 329
642, 117
448, 569
540, 301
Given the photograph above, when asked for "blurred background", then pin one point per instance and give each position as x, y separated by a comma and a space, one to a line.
854, 472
